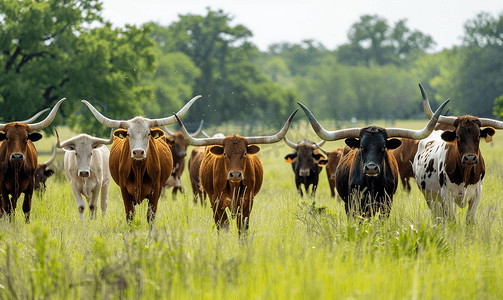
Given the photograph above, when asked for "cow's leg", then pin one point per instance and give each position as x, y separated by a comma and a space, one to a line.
152, 205
406, 184
473, 204
243, 217
27, 206
93, 202
331, 183
128, 205
104, 197
6, 204
80, 201
313, 190
299, 189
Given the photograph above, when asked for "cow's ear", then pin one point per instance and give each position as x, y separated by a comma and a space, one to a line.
252, 149
393, 144
448, 136
290, 157
49, 172
217, 150
487, 133
120, 133
352, 142
322, 162
318, 156
156, 132
69, 148
34, 136
3, 136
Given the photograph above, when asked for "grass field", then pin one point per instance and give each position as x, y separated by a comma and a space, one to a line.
297, 248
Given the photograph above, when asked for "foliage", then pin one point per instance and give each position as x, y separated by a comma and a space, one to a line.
49, 51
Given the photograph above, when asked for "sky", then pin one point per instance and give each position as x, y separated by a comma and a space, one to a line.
323, 21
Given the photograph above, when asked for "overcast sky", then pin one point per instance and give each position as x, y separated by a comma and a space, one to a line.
324, 21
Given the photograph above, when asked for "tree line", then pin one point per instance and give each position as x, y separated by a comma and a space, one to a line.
54, 49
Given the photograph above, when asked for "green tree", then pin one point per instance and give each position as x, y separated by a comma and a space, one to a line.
372, 40
49, 51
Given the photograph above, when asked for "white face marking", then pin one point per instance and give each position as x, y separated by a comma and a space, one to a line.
139, 132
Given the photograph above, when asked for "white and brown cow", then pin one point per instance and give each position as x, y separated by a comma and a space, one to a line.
449, 167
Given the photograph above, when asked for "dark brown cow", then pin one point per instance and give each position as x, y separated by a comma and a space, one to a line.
367, 177
231, 173
405, 157
331, 164
178, 147
42, 173
140, 159
306, 162
449, 167
19, 161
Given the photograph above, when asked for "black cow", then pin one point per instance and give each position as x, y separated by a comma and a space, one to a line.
306, 164
367, 177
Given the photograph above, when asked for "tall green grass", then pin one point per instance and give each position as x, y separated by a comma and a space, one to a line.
297, 248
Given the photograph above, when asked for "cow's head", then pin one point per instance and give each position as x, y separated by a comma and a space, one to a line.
373, 145
235, 148
138, 130
17, 135
465, 131
82, 146
43, 173
466, 135
305, 157
372, 142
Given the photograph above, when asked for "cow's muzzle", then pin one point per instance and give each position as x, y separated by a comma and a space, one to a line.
235, 176
17, 157
469, 159
84, 173
371, 169
138, 154
304, 172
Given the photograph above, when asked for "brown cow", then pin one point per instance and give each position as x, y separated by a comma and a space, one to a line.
449, 167
140, 159
331, 164
19, 160
231, 173
178, 147
405, 157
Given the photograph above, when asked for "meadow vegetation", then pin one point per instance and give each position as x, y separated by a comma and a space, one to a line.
297, 248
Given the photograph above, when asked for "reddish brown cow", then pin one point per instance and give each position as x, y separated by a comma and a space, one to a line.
178, 147
405, 157
140, 159
19, 160
196, 157
331, 164
231, 173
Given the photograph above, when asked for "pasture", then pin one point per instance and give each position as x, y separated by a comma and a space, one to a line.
297, 248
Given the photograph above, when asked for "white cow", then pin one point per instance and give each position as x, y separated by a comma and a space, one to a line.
86, 166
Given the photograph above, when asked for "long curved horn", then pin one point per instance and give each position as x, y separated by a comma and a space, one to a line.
320, 144
325, 152
49, 162
198, 131
30, 120
429, 113
104, 120
275, 137
172, 119
58, 144
329, 135
484, 122
48, 120
290, 143
104, 141
251, 140
418, 134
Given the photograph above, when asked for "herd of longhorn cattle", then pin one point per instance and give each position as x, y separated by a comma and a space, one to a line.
444, 159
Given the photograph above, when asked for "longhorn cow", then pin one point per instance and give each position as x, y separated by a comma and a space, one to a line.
18, 158
231, 173
140, 159
367, 177
449, 167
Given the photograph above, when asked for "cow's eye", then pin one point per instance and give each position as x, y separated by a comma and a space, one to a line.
225, 154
